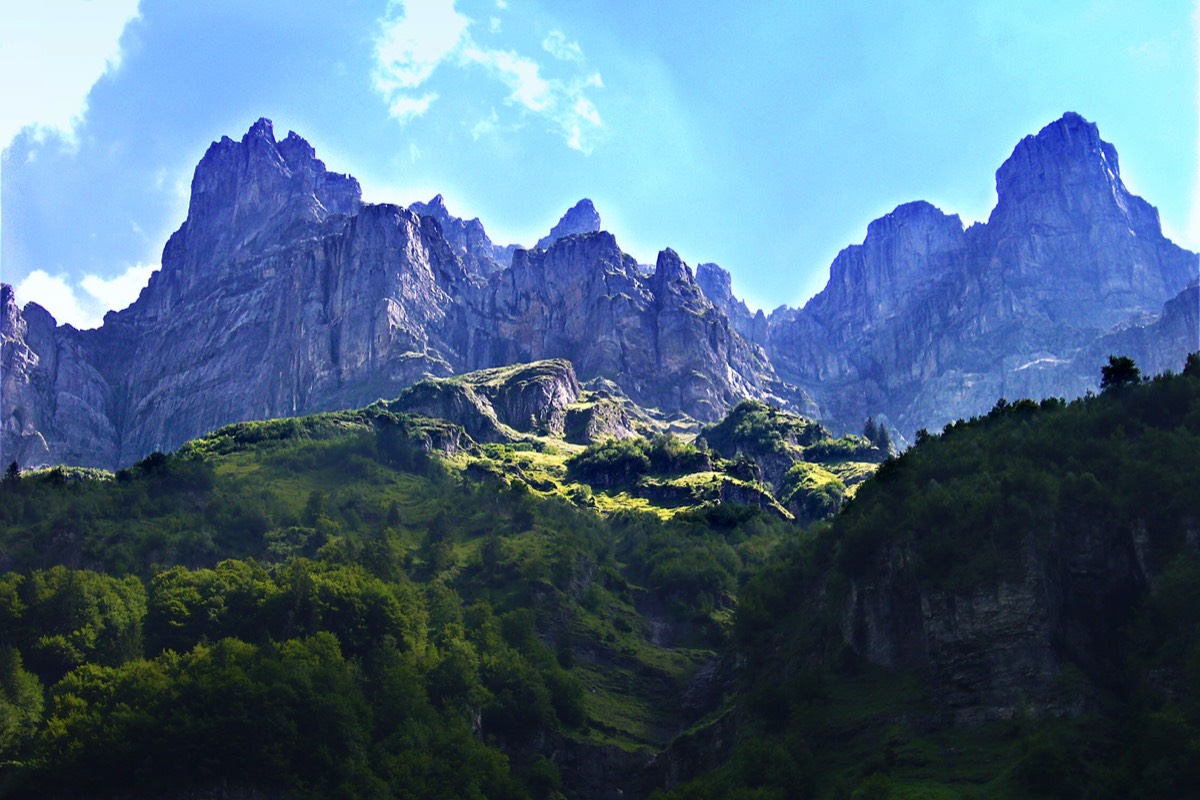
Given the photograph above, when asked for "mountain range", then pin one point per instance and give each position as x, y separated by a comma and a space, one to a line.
283, 293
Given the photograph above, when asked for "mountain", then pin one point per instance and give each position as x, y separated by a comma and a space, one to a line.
925, 322
283, 293
580, 218
371, 603
1007, 609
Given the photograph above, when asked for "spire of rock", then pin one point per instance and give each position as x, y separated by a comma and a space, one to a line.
1064, 174
580, 218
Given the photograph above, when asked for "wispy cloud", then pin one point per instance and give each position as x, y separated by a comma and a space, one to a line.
418, 36
557, 45
84, 304
53, 52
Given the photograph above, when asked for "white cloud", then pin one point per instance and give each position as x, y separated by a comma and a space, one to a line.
404, 108
494, 24
117, 293
520, 74
557, 45
51, 54
83, 305
53, 293
489, 124
416, 37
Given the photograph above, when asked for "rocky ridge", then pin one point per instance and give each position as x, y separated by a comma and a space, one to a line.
283, 293
926, 322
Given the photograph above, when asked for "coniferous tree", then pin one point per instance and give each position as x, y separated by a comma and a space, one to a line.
1120, 371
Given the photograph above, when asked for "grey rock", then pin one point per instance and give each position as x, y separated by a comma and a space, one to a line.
926, 322
282, 293
580, 218
495, 405
468, 238
1004, 647
717, 285
603, 418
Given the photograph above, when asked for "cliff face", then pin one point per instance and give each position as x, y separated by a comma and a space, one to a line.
1005, 648
926, 322
282, 294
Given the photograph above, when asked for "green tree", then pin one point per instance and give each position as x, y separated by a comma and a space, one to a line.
12, 475
1120, 371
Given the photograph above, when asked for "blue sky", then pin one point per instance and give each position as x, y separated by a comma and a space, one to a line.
763, 136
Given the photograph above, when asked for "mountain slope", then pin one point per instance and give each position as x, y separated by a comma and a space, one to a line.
925, 322
282, 293
1005, 610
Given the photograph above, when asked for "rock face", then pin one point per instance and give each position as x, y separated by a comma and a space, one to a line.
283, 294
717, 285
467, 237
493, 405
926, 322
580, 218
1001, 648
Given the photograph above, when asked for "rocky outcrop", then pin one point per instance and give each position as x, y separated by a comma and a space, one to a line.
658, 337
1005, 647
717, 285
580, 218
926, 322
600, 419
468, 238
496, 405
283, 294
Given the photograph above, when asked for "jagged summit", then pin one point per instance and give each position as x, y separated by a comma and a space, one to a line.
580, 218
282, 293
1065, 173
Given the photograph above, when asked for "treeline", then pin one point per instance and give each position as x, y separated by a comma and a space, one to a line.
319, 608
964, 508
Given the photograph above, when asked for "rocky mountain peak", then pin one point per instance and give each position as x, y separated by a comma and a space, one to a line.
9, 312
717, 286
468, 237
673, 276
580, 218
248, 184
1064, 174
715, 281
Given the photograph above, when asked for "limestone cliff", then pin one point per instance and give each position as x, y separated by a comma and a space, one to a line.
926, 322
282, 294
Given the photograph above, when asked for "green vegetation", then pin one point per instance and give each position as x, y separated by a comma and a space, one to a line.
755, 426
367, 604
964, 512
351, 604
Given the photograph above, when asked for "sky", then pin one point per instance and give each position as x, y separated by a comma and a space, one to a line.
761, 135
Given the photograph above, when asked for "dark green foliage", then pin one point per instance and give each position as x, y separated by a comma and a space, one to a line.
614, 464
316, 607
845, 448
1120, 371
12, 475
877, 434
811, 492
757, 427
963, 509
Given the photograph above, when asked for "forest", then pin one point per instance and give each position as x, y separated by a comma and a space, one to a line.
331, 606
